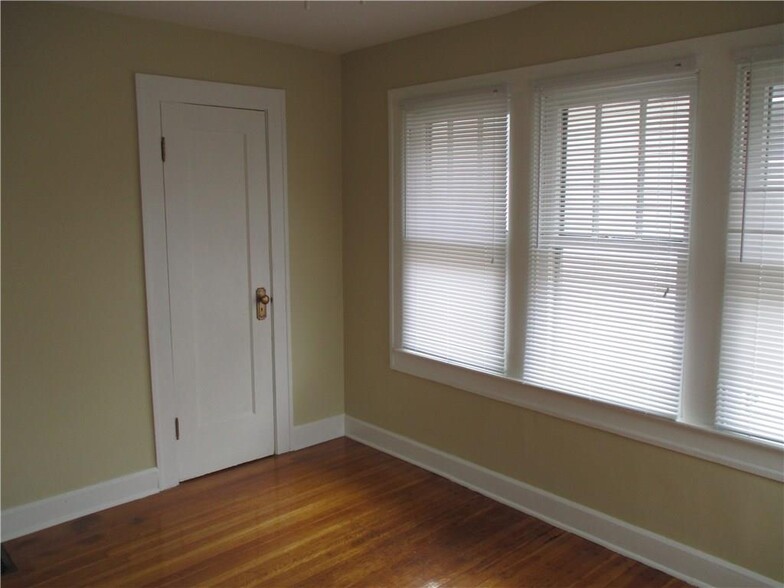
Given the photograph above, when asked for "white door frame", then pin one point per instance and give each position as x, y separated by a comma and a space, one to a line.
151, 91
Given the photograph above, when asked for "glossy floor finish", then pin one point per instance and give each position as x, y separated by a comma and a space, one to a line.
338, 514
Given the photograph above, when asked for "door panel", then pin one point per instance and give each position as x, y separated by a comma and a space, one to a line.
215, 178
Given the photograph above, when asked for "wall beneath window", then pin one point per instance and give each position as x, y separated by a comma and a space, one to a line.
76, 404
733, 515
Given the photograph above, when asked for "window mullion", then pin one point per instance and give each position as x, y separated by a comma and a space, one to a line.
713, 145
521, 176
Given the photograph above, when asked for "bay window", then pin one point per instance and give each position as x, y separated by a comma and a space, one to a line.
554, 234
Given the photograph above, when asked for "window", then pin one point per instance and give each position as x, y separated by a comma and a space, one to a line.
557, 242
751, 380
611, 242
454, 244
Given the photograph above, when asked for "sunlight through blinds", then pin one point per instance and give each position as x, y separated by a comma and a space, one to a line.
751, 380
454, 245
610, 243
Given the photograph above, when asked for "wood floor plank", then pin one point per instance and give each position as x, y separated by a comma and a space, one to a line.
338, 514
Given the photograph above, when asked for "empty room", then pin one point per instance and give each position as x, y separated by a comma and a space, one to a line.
392, 293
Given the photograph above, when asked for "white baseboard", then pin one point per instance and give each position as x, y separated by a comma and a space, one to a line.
657, 551
34, 516
317, 432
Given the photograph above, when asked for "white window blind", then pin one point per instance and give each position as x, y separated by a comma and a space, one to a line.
751, 379
607, 289
454, 239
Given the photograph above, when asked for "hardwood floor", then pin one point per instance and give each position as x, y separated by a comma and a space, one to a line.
337, 514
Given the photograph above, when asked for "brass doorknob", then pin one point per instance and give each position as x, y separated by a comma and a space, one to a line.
262, 300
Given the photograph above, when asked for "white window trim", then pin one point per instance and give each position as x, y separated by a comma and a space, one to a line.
693, 434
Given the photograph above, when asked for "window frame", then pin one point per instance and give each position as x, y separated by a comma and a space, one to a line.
744, 126
677, 75
716, 58
453, 100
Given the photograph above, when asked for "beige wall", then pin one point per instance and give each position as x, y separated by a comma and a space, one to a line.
725, 512
76, 407
75, 374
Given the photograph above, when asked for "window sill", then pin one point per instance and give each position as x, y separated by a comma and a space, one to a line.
756, 457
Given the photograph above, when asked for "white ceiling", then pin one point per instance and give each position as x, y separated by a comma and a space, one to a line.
333, 26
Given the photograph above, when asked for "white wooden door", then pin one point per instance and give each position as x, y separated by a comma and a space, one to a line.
217, 227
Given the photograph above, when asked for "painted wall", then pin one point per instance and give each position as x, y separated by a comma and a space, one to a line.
76, 404
734, 515
75, 373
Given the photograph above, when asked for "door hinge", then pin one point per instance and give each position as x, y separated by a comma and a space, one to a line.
177, 428
163, 148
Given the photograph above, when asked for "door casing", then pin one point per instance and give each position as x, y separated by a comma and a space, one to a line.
151, 91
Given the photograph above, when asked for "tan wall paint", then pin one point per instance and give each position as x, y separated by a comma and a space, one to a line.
76, 399
725, 512
75, 369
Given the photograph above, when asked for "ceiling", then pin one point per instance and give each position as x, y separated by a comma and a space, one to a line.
326, 25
